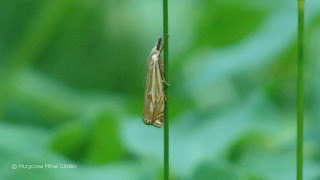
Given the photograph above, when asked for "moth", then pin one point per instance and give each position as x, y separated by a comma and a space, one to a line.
154, 97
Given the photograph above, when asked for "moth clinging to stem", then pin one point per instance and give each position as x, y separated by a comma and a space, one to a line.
155, 97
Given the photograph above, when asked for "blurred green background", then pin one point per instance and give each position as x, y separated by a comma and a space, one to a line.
71, 76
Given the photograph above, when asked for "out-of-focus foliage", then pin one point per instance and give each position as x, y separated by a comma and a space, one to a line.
71, 75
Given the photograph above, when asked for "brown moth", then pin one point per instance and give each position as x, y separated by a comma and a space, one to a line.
155, 97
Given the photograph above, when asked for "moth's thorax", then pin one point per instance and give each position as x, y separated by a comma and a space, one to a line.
155, 55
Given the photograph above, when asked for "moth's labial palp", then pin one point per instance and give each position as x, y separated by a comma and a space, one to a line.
158, 44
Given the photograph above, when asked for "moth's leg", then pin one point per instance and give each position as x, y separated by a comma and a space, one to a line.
161, 65
165, 82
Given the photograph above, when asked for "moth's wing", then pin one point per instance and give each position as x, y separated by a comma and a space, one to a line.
159, 103
147, 66
153, 110
148, 105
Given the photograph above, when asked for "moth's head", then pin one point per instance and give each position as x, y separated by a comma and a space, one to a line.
158, 44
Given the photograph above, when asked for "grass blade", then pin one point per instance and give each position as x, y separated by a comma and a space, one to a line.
166, 68
300, 90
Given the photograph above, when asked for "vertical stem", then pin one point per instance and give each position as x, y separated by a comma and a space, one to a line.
300, 90
166, 68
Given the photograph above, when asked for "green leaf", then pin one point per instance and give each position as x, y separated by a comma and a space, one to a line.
105, 145
71, 140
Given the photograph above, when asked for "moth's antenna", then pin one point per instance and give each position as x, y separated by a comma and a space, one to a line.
164, 42
158, 44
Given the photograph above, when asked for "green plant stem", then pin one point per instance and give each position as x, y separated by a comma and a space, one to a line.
166, 68
300, 90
